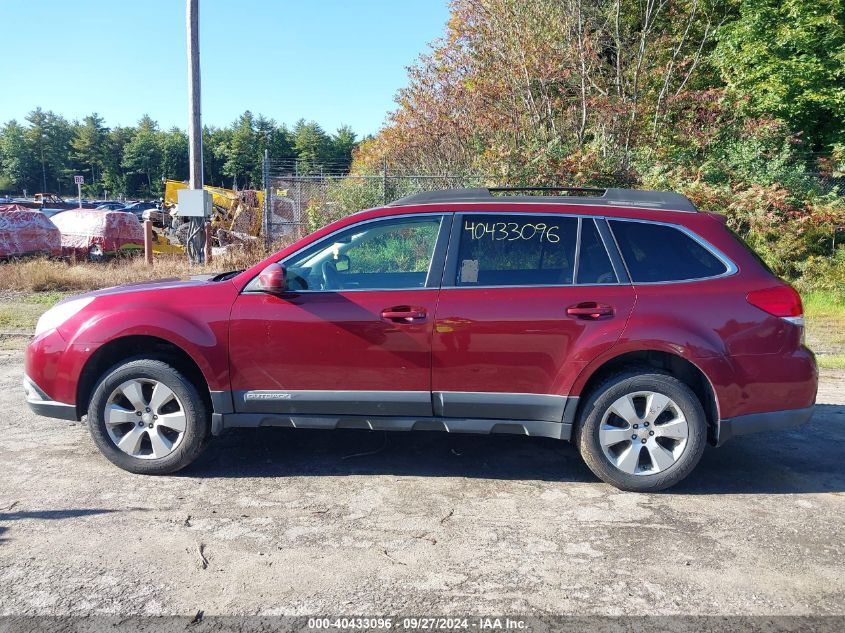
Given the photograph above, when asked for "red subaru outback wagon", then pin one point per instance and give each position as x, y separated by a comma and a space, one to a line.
626, 321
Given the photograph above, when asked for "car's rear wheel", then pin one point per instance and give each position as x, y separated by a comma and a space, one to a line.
642, 431
148, 418
96, 254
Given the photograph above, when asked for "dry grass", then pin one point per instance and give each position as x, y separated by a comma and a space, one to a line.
44, 275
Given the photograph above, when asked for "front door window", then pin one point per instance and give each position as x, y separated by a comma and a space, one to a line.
383, 255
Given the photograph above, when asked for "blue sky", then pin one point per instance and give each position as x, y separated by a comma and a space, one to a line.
331, 61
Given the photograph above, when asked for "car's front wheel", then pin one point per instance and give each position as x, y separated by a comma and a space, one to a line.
148, 418
642, 431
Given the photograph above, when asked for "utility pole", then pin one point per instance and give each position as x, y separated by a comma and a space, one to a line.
268, 200
196, 232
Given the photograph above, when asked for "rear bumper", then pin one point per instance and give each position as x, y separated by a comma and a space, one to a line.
41, 404
760, 422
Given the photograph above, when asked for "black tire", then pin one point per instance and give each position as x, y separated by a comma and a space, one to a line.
96, 254
197, 427
631, 382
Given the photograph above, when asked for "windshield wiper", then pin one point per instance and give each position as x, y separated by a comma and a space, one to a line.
225, 276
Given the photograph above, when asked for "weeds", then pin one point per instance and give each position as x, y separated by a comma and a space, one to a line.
51, 276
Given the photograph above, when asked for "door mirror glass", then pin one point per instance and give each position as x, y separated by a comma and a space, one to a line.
272, 279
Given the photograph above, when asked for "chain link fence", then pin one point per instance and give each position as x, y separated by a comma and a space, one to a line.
298, 203
295, 205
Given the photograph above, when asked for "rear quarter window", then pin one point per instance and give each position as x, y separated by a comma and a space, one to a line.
658, 252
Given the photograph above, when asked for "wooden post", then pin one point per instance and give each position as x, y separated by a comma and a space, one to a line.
208, 242
148, 242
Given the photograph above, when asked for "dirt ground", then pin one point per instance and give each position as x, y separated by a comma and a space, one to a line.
297, 522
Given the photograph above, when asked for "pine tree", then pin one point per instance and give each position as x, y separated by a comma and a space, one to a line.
89, 145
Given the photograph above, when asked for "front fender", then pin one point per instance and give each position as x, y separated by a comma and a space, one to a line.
205, 344
193, 316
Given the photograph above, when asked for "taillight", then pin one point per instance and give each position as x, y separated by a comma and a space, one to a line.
780, 301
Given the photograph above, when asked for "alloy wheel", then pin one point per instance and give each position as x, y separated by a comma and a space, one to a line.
643, 433
145, 419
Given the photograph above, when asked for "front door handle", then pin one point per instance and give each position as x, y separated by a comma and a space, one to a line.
404, 314
590, 311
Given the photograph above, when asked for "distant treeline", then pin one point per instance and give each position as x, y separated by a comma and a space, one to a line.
44, 152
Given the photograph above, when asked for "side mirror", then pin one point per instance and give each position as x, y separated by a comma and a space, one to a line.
272, 279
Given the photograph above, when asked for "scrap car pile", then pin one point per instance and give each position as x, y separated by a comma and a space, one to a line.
27, 232
47, 225
98, 233
236, 219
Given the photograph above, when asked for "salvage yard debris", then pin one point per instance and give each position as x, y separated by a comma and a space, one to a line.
27, 232
87, 234
240, 211
97, 233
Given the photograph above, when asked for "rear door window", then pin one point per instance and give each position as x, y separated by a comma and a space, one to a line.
658, 252
516, 250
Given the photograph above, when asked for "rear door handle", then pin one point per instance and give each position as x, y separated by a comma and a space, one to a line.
404, 314
590, 311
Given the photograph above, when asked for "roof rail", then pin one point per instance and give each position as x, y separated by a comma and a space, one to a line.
667, 200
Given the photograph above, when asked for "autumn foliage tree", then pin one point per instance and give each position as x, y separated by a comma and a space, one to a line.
733, 102
547, 89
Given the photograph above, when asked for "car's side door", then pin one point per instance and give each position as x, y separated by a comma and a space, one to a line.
527, 300
352, 334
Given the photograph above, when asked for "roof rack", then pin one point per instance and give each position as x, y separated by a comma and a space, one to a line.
665, 200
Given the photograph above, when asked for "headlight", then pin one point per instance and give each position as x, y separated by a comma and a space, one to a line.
60, 313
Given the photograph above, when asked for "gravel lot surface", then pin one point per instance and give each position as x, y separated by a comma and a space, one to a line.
308, 522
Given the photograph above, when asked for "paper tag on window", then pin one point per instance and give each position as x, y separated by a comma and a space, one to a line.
469, 271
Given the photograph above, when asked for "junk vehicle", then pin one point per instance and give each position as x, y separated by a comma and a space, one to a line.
96, 234
25, 232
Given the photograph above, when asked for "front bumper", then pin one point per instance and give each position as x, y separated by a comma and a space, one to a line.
41, 404
760, 422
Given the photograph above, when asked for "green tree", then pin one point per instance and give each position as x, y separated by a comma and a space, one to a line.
49, 135
174, 154
214, 140
342, 143
312, 145
275, 139
143, 155
18, 164
115, 179
240, 151
44, 154
89, 145
37, 137
787, 58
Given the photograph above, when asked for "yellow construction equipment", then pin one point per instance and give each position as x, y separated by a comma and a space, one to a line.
239, 211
